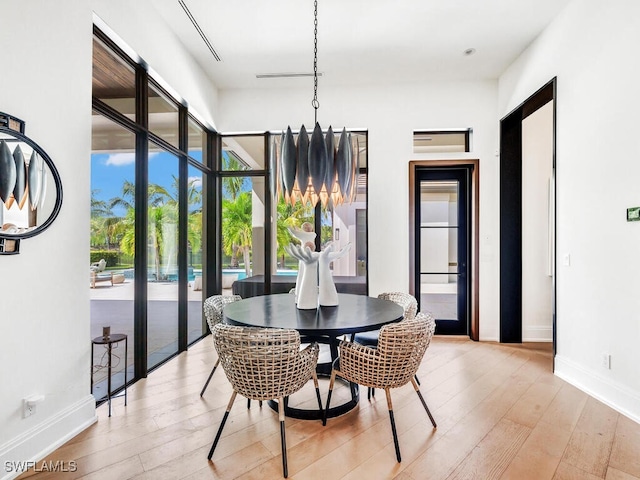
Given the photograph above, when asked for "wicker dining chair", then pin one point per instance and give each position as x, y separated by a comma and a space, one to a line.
212, 307
410, 306
408, 303
264, 364
392, 364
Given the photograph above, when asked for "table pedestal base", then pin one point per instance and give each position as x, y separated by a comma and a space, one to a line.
323, 369
315, 414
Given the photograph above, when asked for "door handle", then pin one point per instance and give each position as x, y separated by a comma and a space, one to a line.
462, 271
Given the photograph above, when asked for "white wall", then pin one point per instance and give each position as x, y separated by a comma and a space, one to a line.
391, 113
591, 48
44, 313
537, 170
345, 220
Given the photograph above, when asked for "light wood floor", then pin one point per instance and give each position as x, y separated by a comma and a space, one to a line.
501, 413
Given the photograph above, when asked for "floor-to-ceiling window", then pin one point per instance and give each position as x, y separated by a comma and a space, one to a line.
150, 170
256, 220
243, 194
112, 239
343, 225
162, 256
195, 228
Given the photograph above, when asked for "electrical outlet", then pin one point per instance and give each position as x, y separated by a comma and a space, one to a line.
28, 409
606, 361
29, 405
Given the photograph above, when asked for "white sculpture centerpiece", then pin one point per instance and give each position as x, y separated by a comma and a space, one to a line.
314, 284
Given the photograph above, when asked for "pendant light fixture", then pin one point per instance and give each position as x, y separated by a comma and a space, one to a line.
315, 169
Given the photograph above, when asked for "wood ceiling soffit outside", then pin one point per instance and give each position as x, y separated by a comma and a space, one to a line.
111, 77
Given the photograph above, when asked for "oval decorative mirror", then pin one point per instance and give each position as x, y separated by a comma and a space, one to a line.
30, 186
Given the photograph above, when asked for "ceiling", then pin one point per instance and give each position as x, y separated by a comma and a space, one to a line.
360, 42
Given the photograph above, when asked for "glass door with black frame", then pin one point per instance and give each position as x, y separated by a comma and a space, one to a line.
442, 243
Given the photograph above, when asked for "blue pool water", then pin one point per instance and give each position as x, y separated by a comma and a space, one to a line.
232, 271
192, 274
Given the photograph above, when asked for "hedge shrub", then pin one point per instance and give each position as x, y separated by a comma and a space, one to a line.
111, 256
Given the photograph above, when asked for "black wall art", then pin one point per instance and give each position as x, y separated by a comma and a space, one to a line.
30, 186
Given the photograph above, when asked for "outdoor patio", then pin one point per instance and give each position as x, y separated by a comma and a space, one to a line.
112, 306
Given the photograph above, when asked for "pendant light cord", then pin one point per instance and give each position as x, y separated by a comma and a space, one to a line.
315, 102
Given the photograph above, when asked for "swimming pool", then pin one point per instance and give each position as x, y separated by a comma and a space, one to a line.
196, 272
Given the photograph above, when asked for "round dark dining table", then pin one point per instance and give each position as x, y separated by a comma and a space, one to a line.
353, 314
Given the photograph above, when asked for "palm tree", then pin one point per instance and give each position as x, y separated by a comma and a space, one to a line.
99, 208
126, 200
127, 243
96, 231
194, 232
161, 214
163, 225
194, 219
289, 216
232, 187
104, 224
162, 219
236, 227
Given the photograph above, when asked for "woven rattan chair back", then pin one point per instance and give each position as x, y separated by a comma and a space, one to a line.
402, 345
263, 363
409, 306
395, 361
392, 364
213, 306
406, 301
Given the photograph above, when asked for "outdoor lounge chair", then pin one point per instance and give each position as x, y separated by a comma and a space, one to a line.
96, 273
95, 277
98, 267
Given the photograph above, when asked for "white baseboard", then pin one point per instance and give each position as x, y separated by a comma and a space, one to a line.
615, 395
39, 441
537, 334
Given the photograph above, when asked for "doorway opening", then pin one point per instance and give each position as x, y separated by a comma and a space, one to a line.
527, 192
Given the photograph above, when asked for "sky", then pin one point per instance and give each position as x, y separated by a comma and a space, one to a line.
110, 171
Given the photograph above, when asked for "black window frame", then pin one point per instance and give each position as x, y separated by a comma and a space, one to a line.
140, 128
